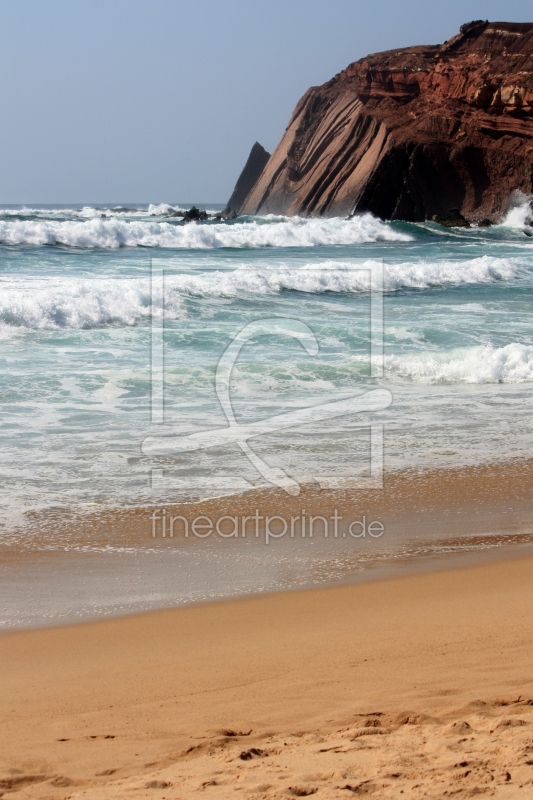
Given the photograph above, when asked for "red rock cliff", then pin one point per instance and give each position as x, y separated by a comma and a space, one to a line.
410, 133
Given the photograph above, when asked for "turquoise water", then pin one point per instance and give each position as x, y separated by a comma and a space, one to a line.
75, 330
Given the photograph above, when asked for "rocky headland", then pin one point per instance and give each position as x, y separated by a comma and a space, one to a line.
257, 161
409, 134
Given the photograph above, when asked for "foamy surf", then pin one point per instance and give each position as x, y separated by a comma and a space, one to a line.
343, 277
101, 302
80, 304
520, 212
75, 383
115, 232
484, 364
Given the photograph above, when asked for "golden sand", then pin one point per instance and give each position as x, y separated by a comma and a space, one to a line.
413, 687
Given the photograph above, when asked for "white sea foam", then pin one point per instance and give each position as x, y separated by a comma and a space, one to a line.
71, 303
425, 274
88, 303
161, 209
520, 212
484, 364
332, 276
115, 232
89, 212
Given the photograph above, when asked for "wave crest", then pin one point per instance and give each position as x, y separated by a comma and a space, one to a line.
520, 212
276, 232
75, 304
100, 302
484, 364
332, 276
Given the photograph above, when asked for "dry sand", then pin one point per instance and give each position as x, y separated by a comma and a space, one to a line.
412, 687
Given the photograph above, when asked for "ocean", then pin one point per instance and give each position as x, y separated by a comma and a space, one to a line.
84, 320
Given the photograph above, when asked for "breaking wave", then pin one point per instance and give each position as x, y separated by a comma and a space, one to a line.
79, 304
484, 364
520, 212
332, 276
89, 212
269, 232
427, 274
99, 302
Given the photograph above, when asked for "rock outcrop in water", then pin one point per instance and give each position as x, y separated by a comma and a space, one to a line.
257, 161
453, 219
412, 133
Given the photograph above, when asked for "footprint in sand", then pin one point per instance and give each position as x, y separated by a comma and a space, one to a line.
253, 752
20, 781
157, 785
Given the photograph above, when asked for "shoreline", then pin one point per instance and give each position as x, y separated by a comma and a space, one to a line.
111, 565
438, 663
78, 574
407, 492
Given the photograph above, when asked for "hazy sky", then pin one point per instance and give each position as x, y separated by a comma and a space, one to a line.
161, 100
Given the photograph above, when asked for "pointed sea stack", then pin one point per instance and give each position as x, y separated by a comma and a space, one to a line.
257, 161
409, 134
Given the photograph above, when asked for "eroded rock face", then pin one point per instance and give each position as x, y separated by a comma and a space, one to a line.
257, 161
408, 134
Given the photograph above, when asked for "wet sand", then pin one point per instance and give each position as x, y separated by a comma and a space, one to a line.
419, 686
425, 497
64, 570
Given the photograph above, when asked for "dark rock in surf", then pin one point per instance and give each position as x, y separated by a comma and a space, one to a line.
195, 215
257, 161
452, 219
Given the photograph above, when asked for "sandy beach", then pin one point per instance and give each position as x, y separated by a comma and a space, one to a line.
266, 504
420, 686
88, 567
